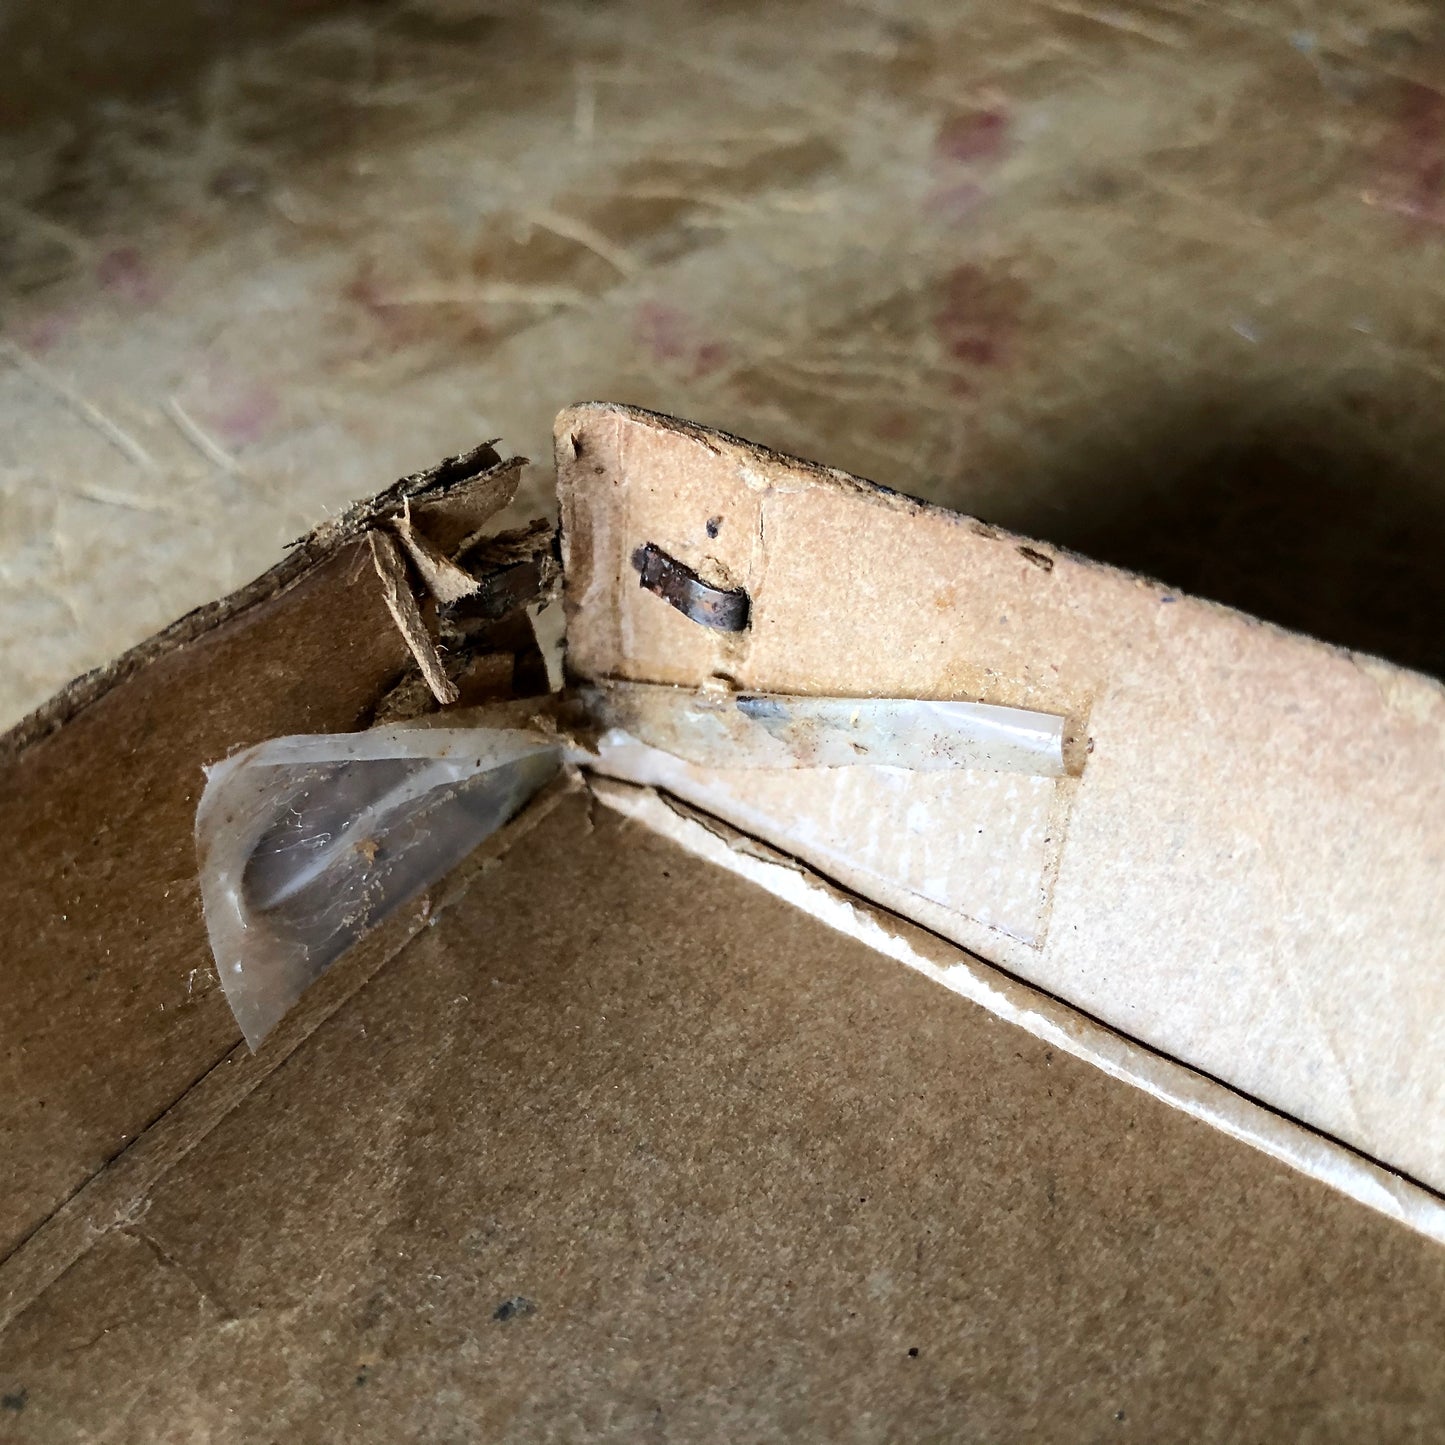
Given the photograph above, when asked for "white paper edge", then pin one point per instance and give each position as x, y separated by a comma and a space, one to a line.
1048, 1019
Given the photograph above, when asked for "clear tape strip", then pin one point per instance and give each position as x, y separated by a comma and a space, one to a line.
308, 842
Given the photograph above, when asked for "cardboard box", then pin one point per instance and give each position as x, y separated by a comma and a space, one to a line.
632, 1127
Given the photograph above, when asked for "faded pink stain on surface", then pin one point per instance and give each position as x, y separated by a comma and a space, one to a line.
895, 426
977, 321
238, 409
245, 413
710, 355
660, 329
972, 135
670, 336
967, 147
1410, 165
44, 333
123, 273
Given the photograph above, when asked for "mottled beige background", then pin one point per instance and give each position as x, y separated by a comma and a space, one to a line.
1159, 281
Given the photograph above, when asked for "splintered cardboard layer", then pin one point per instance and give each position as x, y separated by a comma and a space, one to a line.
624, 1148
111, 1009
1243, 868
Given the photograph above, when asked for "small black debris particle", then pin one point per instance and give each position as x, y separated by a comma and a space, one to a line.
15, 1401
513, 1308
363, 1374
913, 1353
714, 526
1118, 1414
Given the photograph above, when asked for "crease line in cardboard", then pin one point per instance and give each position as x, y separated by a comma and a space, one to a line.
114, 1196
1283, 1138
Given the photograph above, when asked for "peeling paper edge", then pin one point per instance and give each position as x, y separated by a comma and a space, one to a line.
1052, 1021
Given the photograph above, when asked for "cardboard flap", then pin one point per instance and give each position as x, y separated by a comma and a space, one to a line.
1243, 870
623, 1148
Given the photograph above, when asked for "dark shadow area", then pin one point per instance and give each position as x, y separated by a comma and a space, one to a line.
63, 53
1320, 520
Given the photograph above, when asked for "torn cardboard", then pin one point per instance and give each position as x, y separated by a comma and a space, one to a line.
406, 613
598, 1138
118, 1011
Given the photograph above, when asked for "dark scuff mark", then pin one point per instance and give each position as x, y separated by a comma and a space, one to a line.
514, 1308
1039, 559
724, 609
15, 1401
